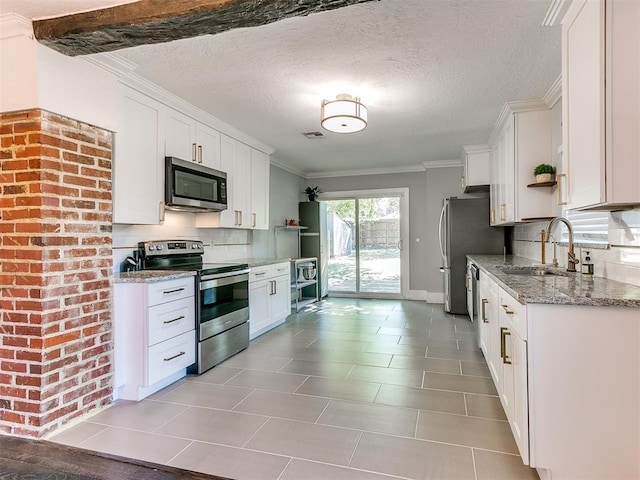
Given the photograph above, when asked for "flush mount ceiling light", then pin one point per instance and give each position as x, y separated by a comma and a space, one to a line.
345, 114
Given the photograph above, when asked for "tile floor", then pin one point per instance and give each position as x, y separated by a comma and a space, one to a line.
347, 389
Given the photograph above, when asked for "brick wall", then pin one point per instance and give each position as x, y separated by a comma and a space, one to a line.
55, 273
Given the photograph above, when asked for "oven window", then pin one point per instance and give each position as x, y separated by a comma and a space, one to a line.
218, 301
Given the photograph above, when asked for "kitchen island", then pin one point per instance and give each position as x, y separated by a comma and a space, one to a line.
563, 350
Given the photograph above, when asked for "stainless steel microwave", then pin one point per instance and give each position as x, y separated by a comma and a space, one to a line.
193, 187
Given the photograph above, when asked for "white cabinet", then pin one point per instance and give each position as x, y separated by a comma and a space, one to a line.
247, 188
488, 324
514, 365
269, 297
601, 104
191, 140
154, 335
138, 155
521, 140
476, 170
573, 414
259, 190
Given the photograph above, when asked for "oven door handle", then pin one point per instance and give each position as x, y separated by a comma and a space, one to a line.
223, 279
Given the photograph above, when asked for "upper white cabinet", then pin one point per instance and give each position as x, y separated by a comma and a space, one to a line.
138, 155
521, 140
476, 171
601, 104
191, 140
148, 130
259, 190
247, 188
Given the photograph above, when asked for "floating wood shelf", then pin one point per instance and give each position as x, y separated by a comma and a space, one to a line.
542, 184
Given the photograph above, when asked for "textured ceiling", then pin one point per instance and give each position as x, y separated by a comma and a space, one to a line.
434, 75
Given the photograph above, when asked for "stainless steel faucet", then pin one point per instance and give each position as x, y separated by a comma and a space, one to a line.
572, 260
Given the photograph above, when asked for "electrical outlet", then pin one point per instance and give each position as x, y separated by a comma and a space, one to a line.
584, 253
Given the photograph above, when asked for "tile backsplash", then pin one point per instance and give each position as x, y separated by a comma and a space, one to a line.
220, 244
621, 261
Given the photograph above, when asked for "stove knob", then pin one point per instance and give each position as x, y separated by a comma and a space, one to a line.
152, 248
159, 247
194, 246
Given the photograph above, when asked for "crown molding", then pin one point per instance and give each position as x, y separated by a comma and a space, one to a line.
113, 64
482, 147
442, 164
13, 25
287, 168
556, 13
554, 94
510, 108
365, 171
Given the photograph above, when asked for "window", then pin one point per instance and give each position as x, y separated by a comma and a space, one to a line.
589, 228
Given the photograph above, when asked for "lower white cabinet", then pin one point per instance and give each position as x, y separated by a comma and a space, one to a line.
154, 335
269, 297
513, 366
569, 381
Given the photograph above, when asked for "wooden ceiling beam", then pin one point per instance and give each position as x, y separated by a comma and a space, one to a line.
156, 21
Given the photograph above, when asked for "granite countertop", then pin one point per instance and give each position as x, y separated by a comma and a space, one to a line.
149, 276
562, 288
260, 262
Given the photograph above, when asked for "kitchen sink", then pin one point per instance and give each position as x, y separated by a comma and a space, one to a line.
531, 271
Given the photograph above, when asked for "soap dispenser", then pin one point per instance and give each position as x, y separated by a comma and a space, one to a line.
587, 265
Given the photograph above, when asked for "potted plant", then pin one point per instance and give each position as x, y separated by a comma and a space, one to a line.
544, 172
312, 193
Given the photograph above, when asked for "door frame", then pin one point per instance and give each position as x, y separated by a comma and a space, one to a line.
403, 193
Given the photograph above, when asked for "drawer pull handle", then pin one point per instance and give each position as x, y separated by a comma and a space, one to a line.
176, 290
484, 310
260, 273
504, 331
174, 357
174, 320
506, 310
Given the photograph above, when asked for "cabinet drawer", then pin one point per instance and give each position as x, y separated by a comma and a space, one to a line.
166, 291
170, 320
170, 356
280, 269
260, 273
515, 313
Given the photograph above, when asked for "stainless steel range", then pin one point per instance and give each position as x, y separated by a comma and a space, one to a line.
222, 297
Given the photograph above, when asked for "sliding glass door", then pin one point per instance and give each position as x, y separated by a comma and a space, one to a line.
365, 245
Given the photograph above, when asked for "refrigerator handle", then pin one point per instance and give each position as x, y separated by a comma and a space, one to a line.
440, 231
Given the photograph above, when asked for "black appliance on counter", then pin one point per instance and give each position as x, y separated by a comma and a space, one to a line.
222, 297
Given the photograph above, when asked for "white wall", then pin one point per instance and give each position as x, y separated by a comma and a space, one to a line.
285, 191
220, 244
34, 76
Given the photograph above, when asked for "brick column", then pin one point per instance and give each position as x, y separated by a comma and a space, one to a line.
55, 272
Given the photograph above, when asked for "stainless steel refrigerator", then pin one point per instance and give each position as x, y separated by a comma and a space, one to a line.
313, 241
464, 229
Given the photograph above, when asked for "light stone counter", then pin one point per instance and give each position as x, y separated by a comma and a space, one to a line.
260, 262
149, 276
562, 288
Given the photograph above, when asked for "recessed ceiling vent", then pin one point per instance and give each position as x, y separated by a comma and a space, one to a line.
313, 135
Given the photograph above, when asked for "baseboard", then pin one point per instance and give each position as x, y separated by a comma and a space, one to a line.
416, 295
435, 297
